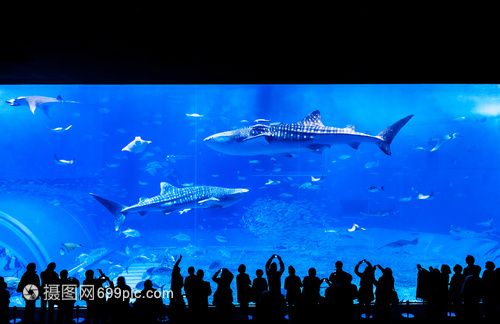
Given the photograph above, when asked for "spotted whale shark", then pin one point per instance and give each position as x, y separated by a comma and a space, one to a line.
309, 133
172, 198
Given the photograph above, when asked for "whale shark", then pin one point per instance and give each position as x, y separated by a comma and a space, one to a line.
309, 133
35, 102
172, 198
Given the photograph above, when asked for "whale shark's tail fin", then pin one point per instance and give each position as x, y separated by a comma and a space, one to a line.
114, 208
388, 134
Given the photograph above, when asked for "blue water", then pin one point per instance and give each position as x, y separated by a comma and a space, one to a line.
447, 155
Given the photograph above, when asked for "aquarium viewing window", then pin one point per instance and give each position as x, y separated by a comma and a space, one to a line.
126, 178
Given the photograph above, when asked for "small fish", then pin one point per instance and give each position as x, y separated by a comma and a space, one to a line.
330, 231
486, 223
461, 118
182, 237
194, 115
82, 257
62, 161
244, 121
137, 145
375, 188
371, 165
142, 183
309, 186
68, 247
355, 227
254, 161
183, 211
261, 120
401, 243
221, 239
112, 165
131, 233
240, 178
272, 182
405, 199
187, 184
422, 196
285, 195
344, 157
61, 129
314, 179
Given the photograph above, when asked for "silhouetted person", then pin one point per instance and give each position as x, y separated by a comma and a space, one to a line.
149, 304
189, 283
274, 274
4, 302
49, 278
223, 295
342, 276
384, 294
423, 284
489, 292
29, 279
472, 290
243, 290
441, 291
311, 287
293, 285
366, 284
310, 296
259, 285
119, 302
177, 304
456, 283
469, 268
97, 302
68, 289
201, 292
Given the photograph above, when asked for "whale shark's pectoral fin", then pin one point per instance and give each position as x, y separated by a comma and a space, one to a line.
318, 148
254, 137
209, 202
354, 145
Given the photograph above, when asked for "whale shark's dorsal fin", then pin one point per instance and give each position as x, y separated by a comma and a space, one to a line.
165, 187
313, 119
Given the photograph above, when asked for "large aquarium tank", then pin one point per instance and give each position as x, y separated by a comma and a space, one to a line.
126, 178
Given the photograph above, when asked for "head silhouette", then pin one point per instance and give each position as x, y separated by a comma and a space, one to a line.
273, 267
120, 281
259, 273
457, 268
291, 270
445, 269
51, 266
63, 274
339, 265
242, 268
148, 284
31, 267
191, 270
490, 265
312, 272
200, 274
469, 259
89, 274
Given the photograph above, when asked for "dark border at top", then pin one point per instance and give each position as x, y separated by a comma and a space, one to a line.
143, 62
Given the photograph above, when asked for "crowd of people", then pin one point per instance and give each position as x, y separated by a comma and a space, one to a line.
468, 294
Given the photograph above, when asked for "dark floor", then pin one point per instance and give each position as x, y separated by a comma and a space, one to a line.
403, 313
